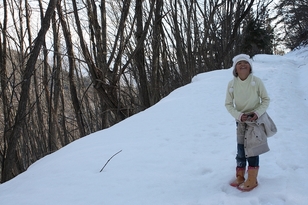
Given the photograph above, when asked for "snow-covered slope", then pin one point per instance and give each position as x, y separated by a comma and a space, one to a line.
182, 150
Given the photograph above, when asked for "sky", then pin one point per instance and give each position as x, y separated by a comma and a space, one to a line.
181, 151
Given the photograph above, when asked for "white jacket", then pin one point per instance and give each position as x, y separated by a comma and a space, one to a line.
255, 140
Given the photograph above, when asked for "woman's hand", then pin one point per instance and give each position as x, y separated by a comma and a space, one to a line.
249, 117
252, 116
244, 117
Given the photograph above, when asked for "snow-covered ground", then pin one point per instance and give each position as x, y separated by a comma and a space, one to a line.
182, 150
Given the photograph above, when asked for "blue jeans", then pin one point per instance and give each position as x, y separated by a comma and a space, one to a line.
241, 159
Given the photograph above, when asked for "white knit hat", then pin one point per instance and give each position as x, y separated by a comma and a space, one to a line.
241, 57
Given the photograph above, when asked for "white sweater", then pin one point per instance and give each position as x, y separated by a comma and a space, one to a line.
245, 96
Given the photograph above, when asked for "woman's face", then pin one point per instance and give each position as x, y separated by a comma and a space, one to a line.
243, 69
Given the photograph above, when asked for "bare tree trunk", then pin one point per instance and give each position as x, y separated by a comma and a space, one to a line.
190, 60
65, 136
73, 89
54, 142
179, 42
6, 110
12, 164
44, 75
103, 105
140, 58
156, 52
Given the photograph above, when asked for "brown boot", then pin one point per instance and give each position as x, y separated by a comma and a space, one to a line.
251, 181
240, 172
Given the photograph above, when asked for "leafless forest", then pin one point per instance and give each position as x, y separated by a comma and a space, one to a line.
71, 68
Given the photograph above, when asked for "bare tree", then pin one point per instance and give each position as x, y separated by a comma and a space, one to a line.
12, 165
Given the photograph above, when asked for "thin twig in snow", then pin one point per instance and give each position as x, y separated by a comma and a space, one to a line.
109, 160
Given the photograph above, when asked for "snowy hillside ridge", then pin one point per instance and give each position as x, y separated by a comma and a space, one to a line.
181, 151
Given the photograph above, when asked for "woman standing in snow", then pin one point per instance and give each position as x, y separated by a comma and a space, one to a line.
247, 101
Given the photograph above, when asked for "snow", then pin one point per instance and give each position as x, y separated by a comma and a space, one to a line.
182, 150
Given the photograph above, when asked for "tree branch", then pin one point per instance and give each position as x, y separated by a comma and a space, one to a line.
109, 160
